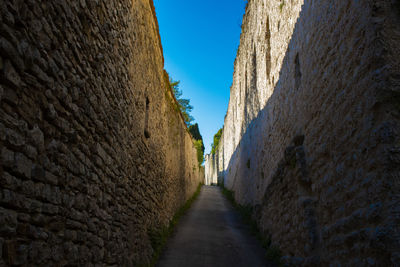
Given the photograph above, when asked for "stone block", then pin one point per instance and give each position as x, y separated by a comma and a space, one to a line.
22, 165
3, 132
8, 222
38, 173
50, 209
40, 252
14, 138
36, 136
51, 112
12, 78
15, 252
10, 96
30, 152
7, 50
7, 157
10, 182
57, 253
28, 188
50, 178
1, 247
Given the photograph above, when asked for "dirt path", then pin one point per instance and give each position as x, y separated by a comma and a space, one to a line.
211, 234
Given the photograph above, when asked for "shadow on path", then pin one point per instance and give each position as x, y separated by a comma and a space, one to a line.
211, 234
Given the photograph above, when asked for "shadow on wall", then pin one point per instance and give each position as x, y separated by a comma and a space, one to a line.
318, 163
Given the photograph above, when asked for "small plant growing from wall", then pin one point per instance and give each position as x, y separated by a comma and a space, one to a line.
282, 5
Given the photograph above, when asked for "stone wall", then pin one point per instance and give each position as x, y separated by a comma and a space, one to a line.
311, 135
211, 169
94, 155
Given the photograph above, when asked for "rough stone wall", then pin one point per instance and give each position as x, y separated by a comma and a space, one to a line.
211, 169
93, 154
311, 135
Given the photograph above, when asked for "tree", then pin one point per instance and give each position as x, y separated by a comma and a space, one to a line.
195, 132
217, 138
185, 109
200, 152
183, 103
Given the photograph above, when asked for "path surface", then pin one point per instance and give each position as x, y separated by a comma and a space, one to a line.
211, 234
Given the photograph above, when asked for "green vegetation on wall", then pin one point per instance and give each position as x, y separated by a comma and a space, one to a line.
195, 132
200, 153
217, 138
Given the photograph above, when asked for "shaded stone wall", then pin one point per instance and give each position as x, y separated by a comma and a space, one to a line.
311, 135
94, 155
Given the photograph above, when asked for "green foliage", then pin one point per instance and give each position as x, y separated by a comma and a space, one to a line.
200, 152
183, 103
217, 138
195, 132
159, 237
246, 211
185, 108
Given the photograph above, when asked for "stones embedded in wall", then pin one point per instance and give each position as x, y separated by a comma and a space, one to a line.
85, 141
327, 71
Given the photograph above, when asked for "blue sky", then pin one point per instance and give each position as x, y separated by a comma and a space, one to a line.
199, 40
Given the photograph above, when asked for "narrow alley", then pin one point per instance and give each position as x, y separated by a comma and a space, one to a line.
211, 234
